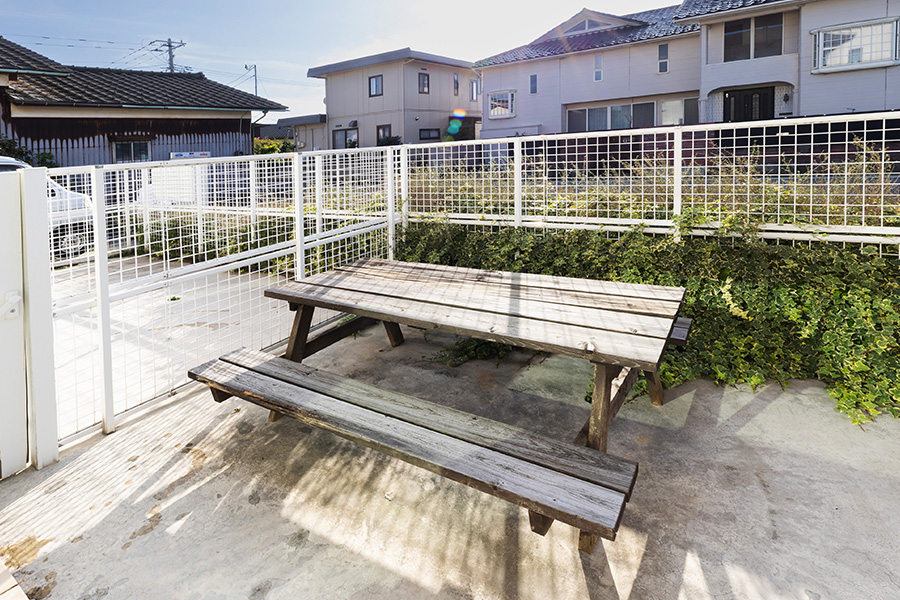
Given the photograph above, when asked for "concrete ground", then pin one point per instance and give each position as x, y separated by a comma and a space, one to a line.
764, 495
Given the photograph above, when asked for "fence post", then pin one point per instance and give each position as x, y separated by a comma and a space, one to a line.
389, 193
254, 198
299, 253
144, 197
320, 181
198, 201
517, 183
676, 177
404, 186
101, 277
40, 366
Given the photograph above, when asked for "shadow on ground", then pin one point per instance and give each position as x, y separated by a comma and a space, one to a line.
740, 495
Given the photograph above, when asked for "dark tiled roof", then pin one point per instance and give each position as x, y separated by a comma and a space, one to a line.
16, 59
697, 8
88, 86
657, 23
270, 131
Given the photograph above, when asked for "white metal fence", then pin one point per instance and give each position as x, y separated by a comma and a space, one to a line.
158, 267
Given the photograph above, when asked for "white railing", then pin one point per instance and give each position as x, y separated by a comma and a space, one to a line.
158, 267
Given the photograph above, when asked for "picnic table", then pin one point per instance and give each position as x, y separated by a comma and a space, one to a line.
623, 329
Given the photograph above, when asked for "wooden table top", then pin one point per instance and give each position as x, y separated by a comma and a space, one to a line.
602, 321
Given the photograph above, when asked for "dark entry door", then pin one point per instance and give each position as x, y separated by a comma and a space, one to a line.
750, 105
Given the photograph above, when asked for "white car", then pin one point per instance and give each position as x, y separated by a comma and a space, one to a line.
71, 215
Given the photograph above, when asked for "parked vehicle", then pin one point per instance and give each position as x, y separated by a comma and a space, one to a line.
71, 215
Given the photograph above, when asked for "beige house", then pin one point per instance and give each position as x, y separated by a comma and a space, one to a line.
699, 61
406, 94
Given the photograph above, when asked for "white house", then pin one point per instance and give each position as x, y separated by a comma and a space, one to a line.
699, 61
404, 93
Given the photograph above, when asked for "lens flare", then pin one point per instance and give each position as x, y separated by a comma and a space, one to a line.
459, 113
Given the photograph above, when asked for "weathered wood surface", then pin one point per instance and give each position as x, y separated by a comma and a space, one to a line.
619, 389
603, 469
584, 505
299, 332
605, 322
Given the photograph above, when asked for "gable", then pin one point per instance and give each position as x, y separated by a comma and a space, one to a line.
585, 21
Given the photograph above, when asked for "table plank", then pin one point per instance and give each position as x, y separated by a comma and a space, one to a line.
550, 296
593, 344
498, 301
635, 290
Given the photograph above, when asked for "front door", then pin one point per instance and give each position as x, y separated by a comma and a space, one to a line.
750, 105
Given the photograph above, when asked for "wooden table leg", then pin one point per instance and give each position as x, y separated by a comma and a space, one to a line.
297, 341
598, 430
655, 386
394, 333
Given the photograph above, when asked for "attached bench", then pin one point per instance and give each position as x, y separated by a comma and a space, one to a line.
553, 480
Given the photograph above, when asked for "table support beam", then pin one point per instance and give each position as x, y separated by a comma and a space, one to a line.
654, 384
394, 333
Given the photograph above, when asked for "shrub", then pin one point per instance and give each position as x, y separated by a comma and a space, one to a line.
760, 311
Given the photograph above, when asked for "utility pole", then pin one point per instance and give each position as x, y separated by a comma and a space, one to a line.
255, 80
171, 47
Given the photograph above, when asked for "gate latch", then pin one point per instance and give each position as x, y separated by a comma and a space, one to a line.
10, 307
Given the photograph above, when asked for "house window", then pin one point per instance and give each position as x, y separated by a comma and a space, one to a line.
424, 83
131, 151
598, 67
671, 112
577, 121
502, 105
766, 39
345, 138
382, 131
643, 114
375, 86
663, 58
620, 116
429, 134
737, 40
532, 84
588, 119
768, 32
456, 84
857, 46
473, 90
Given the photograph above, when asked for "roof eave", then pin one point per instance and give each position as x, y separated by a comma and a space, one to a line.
719, 15
28, 72
590, 50
145, 106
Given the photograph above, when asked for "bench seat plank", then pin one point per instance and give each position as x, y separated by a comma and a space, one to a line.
584, 463
573, 501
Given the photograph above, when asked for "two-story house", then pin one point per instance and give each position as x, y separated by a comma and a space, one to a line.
700, 61
404, 93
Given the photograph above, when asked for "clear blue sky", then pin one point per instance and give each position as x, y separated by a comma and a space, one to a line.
283, 38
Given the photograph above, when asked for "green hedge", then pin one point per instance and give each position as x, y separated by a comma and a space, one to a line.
760, 311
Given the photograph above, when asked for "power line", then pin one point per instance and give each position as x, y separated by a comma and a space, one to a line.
48, 37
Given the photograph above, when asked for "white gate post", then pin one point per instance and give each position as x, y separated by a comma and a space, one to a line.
254, 199
320, 181
676, 176
389, 193
101, 272
38, 314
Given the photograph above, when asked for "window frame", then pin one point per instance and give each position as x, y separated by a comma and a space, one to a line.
662, 62
533, 84
751, 33
818, 49
345, 132
380, 80
379, 129
429, 138
456, 84
511, 106
598, 69
473, 90
130, 143
426, 88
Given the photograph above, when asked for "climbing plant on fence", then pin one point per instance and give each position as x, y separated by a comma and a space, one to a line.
760, 311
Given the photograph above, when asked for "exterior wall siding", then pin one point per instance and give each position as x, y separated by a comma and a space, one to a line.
630, 73
89, 141
845, 91
401, 105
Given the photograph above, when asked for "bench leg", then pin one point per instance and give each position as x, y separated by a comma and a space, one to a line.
219, 395
394, 333
655, 385
540, 524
